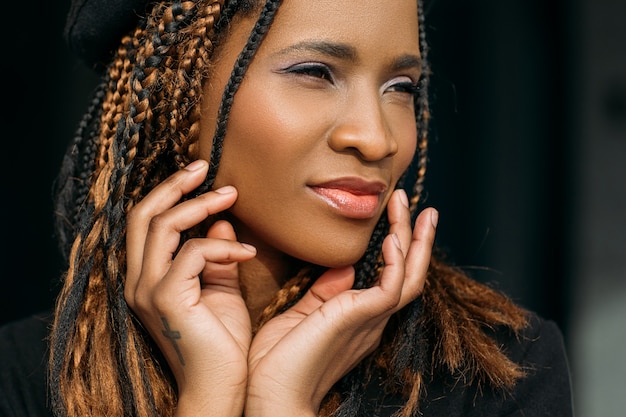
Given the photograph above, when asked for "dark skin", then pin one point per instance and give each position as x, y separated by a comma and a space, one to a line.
296, 188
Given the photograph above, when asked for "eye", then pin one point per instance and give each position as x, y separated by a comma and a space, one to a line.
403, 85
312, 70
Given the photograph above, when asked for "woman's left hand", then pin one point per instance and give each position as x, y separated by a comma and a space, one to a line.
299, 355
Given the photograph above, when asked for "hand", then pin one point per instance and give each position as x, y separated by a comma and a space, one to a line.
190, 301
297, 356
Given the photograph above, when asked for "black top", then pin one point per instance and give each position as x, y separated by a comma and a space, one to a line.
23, 367
546, 391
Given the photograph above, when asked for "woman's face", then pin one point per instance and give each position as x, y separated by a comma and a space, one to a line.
322, 126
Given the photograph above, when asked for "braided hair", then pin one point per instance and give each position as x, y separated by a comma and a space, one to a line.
142, 125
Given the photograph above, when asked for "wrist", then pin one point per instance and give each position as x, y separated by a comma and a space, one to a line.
281, 412
209, 406
276, 406
221, 400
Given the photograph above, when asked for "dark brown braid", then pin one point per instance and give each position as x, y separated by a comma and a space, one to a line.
447, 322
104, 363
239, 71
142, 126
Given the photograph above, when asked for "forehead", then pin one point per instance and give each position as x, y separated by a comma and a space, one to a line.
385, 26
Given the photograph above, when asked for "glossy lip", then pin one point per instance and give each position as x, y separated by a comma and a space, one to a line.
352, 197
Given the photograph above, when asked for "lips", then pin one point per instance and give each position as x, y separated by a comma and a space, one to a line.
352, 197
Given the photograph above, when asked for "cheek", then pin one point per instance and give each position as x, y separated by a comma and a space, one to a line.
281, 116
405, 130
268, 127
265, 140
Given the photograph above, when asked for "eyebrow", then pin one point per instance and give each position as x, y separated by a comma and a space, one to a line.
336, 50
407, 61
348, 52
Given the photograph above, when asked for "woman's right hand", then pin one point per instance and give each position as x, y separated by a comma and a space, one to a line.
189, 299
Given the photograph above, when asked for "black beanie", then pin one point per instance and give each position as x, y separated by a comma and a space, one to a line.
94, 28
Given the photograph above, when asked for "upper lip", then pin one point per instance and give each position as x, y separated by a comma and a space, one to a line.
354, 185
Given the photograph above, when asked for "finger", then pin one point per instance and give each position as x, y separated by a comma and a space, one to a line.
164, 196
392, 277
400, 219
161, 240
419, 255
222, 273
222, 229
180, 286
163, 235
329, 284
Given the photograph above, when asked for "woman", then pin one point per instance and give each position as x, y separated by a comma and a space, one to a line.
240, 213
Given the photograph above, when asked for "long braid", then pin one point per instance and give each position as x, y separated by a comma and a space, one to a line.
457, 311
72, 183
73, 348
183, 27
126, 380
436, 324
192, 69
405, 348
422, 110
241, 66
443, 323
70, 303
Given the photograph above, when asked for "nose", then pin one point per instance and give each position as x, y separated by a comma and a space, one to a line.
361, 126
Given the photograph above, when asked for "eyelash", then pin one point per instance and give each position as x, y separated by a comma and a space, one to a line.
322, 72
312, 70
406, 87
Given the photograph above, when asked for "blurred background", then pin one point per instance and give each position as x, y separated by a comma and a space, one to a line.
527, 163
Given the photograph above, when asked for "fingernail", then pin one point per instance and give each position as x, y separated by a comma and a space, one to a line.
249, 247
196, 165
434, 218
227, 189
404, 199
396, 240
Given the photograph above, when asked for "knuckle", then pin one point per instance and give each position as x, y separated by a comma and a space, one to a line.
138, 214
134, 214
161, 300
139, 298
158, 222
192, 246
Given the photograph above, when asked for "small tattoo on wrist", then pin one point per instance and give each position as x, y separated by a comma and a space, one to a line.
173, 335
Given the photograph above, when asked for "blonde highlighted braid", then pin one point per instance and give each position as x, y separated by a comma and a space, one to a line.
141, 127
102, 361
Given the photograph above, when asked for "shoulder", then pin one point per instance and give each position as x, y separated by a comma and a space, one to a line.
545, 390
541, 343
23, 366
540, 349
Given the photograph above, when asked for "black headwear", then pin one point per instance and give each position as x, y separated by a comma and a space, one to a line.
94, 28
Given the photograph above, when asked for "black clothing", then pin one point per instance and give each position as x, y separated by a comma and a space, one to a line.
546, 391
23, 367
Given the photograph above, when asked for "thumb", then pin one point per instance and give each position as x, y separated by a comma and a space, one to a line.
222, 229
329, 284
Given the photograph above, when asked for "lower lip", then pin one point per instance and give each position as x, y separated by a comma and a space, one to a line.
348, 204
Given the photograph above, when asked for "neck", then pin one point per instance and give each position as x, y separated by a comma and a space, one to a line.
260, 279
263, 276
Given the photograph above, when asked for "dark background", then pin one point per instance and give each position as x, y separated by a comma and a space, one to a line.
500, 153
505, 155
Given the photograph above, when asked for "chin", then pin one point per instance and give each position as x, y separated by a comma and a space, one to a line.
333, 256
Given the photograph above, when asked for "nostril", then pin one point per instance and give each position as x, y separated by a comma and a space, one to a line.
371, 142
